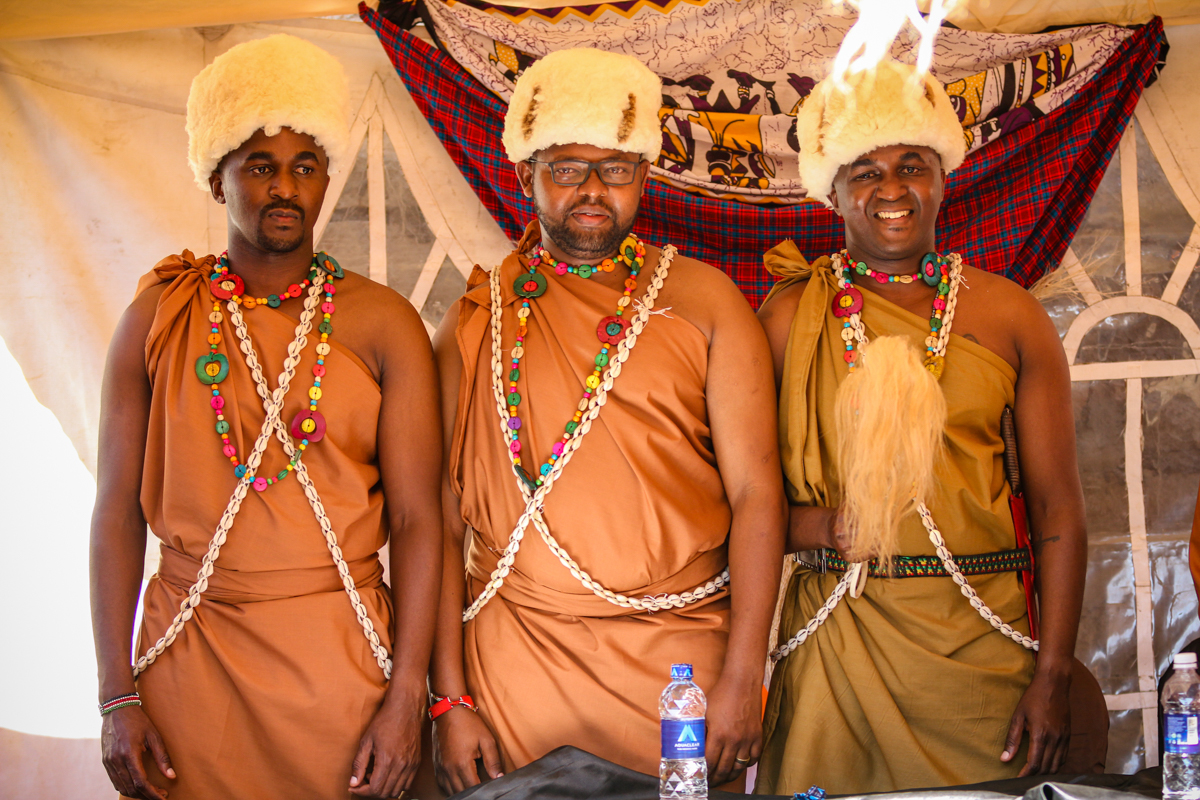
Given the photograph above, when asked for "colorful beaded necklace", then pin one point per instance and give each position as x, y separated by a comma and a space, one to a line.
213, 368
610, 332
936, 270
583, 270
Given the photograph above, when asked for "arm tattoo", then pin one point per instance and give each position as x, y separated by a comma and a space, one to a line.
1037, 545
970, 337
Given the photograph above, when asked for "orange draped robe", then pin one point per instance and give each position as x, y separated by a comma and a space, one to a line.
268, 688
640, 506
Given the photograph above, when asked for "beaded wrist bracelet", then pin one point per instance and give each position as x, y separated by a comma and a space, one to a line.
110, 706
440, 705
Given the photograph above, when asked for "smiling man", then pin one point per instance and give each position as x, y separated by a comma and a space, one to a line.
274, 421
906, 685
612, 445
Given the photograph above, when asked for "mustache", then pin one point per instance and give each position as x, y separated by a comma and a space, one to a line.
282, 205
592, 203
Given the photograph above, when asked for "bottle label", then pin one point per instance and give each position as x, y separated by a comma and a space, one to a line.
1183, 734
682, 738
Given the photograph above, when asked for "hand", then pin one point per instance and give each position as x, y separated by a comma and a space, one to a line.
125, 735
734, 729
390, 750
1043, 711
838, 538
460, 739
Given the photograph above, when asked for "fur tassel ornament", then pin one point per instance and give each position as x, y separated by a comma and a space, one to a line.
890, 416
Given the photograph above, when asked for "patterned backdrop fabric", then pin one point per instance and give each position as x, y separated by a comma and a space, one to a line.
1041, 114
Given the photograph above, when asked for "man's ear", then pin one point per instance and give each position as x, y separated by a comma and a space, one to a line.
833, 201
217, 186
525, 176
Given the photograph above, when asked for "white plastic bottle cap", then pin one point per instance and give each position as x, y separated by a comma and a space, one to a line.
1185, 661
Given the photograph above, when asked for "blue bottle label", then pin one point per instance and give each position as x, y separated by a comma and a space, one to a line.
682, 738
1183, 734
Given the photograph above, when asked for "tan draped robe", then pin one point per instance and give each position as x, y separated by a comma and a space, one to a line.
640, 506
905, 686
267, 690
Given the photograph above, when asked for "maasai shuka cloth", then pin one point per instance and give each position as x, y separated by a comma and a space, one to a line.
1041, 113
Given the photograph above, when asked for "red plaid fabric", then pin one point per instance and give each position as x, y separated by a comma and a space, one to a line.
1012, 208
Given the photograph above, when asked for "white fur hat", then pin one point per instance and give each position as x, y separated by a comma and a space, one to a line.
267, 83
883, 106
585, 96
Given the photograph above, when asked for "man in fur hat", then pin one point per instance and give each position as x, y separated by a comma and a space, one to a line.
612, 446
891, 441
274, 421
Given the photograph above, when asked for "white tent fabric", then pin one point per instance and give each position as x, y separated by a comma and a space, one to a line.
94, 188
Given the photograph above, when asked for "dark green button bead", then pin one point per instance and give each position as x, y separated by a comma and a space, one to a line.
602, 360
935, 324
325, 328
530, 285
630, 253
514, 374
514, 399
571, 426
584, 271
222, 427
202, 364
273, 301
335, 269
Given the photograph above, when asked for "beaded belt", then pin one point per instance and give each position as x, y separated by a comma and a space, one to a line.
823, 561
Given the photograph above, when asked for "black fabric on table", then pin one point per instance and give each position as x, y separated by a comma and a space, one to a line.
568, 773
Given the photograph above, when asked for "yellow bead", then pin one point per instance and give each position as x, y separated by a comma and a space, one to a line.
592, 381
315, 392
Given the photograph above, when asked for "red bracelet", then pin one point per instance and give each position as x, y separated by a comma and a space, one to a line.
440, 705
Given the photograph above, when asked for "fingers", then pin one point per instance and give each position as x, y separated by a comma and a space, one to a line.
1013, 740
1060, 754
119, 777
159, 751
721, 763
142, 787
358, 769
1037, 752
491, 757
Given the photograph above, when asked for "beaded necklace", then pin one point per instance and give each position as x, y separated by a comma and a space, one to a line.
935, 271
308, 425
610, 332
585, 270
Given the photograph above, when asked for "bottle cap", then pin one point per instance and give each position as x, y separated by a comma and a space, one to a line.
1185, 661
683, 672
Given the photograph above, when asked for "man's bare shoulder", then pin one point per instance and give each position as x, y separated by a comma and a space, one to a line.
368, 299
704, 295
998, 297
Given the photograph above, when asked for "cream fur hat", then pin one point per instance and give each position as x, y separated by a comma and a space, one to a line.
267, 83
879, 107
585, 96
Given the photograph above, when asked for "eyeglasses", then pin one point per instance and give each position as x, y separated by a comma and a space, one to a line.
574, 172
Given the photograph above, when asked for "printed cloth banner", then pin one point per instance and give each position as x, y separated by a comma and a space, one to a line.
1041, 115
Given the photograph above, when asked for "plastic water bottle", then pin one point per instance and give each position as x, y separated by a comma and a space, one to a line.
683, 772
1181, 720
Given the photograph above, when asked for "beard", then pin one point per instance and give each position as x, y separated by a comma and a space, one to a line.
587, 245
274, 244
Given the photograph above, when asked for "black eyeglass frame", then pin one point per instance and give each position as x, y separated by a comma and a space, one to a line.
592, 166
